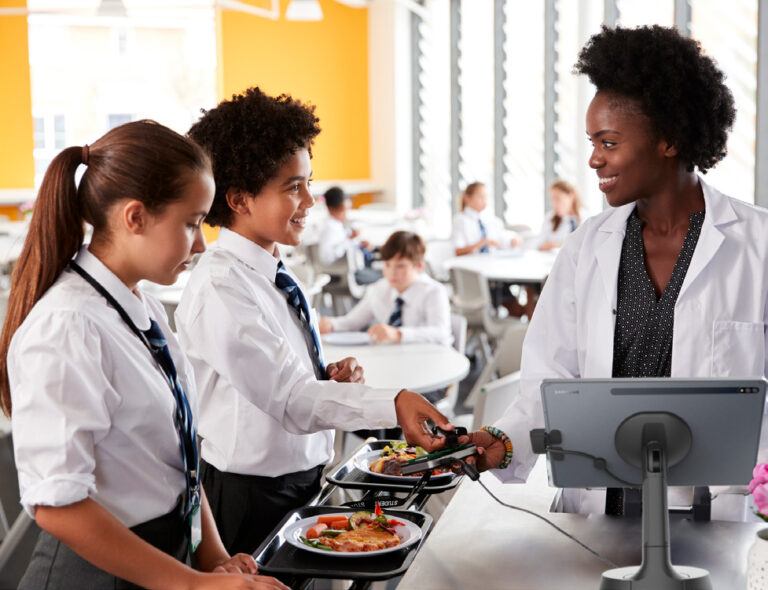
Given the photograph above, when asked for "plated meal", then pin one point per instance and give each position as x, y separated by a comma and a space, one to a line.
353, 533
388, 462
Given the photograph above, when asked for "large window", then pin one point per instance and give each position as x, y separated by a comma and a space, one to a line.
167, 68
530, 135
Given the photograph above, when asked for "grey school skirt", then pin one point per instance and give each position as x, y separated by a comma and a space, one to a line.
54, 566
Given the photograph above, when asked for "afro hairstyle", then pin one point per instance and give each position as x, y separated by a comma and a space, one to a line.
678, 88
248, 138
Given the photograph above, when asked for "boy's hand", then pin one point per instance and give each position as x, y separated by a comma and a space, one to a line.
325, 326
384, 333
345, 371
412, 411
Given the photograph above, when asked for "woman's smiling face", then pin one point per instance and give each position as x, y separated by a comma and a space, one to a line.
627, 155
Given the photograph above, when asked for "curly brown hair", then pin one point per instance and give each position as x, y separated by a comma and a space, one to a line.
248, 139
678, 87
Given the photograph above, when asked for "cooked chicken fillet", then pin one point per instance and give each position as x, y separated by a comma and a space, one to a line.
362, 539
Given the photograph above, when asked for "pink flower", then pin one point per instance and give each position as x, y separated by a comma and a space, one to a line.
759, 476
760, 495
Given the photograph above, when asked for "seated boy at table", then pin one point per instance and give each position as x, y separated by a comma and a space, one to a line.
268, 401
406, 305
337, 238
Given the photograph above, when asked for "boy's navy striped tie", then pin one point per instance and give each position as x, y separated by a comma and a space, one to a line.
298, 303
396, 319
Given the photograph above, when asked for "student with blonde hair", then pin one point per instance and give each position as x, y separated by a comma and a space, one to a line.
564, 218
475, 233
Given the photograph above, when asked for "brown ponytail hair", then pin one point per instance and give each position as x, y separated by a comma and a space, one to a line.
468, 192
566, 187
142, 160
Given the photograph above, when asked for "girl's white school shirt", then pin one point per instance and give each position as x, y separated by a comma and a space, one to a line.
466, 229
262, 409
567, 226
426, 311
93, 415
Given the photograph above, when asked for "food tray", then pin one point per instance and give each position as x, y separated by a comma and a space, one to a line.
348, 476
277, 557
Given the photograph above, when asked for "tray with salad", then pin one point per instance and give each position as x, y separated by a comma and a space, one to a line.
318, 542
374, 465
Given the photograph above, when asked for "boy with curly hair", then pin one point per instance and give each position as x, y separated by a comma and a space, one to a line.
268, 401
670, 281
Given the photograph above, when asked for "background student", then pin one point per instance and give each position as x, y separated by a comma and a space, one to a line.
406, 305
474, 232
669, 282
102, 398
337, 238
268, 398
564, 218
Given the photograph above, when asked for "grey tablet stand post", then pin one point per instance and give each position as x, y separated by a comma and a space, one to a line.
652, 441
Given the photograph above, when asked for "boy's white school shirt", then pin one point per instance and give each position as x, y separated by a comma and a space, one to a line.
334, 241
426, 311
93, 416
262, 409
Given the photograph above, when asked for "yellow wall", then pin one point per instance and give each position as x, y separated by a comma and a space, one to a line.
324, 63
17, 166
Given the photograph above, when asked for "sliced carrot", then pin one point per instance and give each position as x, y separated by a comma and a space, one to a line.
314, 531
340, 525
329, 518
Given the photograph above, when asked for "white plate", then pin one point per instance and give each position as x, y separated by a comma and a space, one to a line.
347, 338
409, 534
364, 460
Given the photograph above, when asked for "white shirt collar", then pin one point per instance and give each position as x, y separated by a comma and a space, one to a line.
249, 252
471, 213
133, 303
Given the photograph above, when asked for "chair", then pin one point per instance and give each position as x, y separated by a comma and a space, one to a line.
505, 359
447, 405
494, 399
342, 286
438, 251
472, 299
18, 539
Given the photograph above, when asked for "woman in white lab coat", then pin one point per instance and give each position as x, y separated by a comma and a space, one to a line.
669, 282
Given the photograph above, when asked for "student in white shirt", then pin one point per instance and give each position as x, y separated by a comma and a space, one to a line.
337, 238
406, 305
102, 399
268, 401
475, 233
564, 218
691, 298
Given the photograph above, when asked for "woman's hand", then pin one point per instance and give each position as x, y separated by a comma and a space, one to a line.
384, 334
490, 450
345, 371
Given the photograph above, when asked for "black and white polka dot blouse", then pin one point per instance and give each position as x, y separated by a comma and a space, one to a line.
642, 341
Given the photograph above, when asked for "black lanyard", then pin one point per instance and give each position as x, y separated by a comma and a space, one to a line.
189, 452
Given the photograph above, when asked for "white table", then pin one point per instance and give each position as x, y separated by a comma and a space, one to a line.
510, 266
478, 543
418, 367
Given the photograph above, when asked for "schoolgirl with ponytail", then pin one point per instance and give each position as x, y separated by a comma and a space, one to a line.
101, 398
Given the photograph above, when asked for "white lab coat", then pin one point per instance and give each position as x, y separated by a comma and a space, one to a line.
719, 329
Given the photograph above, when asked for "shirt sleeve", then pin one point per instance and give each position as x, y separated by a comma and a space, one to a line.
549, 351
437, 328
459, 236
240, 346
60, 393
359, 318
